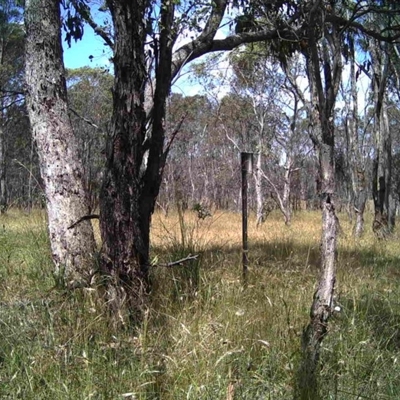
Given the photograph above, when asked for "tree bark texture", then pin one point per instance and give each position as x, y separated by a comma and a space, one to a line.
132, 175
61, 170
324, 88
381, 181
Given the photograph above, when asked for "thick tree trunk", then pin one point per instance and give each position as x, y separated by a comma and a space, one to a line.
135, 155
124, 226
60, 167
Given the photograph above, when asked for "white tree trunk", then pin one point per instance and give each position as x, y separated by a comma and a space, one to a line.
355, 158
287, 212
60, 167
259, 192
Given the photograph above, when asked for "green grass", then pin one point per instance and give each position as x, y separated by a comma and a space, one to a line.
203, 335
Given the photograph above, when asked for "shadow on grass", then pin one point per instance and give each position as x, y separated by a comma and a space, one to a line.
281, 256
366, 314
381, 318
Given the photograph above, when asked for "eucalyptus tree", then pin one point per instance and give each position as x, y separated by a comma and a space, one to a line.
324, 63
60, 166
323, 58
260, 114
189, 178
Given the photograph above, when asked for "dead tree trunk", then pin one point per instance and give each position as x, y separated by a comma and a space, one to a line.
60, 167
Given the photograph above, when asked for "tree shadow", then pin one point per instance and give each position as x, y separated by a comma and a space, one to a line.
288, 257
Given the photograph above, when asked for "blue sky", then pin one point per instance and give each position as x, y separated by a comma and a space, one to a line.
91, 45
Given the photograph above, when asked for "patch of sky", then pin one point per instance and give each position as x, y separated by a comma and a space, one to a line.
90, 51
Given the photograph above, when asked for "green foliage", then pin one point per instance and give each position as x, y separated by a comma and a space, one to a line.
74, 20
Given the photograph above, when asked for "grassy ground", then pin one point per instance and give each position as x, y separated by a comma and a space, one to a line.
204, 336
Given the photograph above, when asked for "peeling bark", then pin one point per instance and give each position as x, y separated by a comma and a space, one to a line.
322, 55
124, 227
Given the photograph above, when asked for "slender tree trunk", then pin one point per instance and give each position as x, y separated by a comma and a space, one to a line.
356, 162
3, 183
259, 190
60, 167
286, 190
321, 308
192, 181
389, 206
326, 57
382, 159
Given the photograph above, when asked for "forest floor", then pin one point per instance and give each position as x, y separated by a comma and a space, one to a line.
204, 336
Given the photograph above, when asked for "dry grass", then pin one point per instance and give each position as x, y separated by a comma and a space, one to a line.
204, 336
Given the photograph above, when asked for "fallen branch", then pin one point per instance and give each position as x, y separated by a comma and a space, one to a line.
178, 262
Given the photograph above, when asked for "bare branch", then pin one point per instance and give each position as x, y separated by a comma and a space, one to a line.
190, 257
335, 19
83, 118
84, 218
172, 138
198, 48
214, 21
27, 170
84, 11
278, 195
